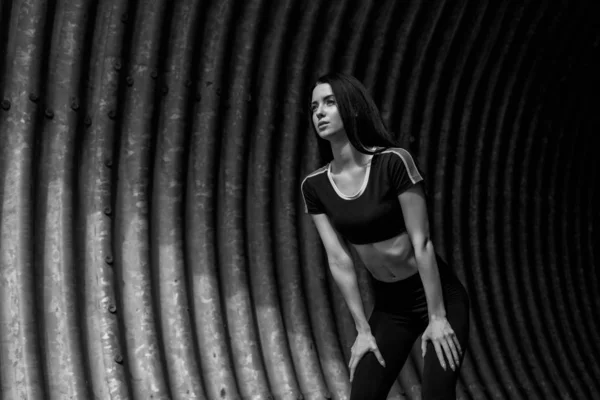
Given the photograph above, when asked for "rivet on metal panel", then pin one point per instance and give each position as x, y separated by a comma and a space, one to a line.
154, 74
109, 260
119, 359
112, 308
124, 17
74, 103
129, 81
107, 210
5, 105
112, 114
108, 162
165, 90
118, 65
34, 97
49, 113
87, 120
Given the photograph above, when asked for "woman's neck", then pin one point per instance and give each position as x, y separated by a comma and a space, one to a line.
347, 156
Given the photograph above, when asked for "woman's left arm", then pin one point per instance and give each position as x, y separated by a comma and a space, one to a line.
439, 331
414, 210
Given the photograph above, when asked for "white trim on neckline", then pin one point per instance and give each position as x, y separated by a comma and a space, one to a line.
360, 191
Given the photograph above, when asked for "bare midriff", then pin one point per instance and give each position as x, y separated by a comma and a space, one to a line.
389, 260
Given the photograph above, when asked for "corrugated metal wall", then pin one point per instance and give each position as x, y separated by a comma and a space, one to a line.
153, 242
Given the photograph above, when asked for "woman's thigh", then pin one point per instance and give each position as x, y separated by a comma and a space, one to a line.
395, 336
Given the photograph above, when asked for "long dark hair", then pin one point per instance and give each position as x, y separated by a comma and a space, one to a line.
361, 118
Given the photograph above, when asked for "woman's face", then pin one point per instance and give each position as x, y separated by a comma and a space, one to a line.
325, 115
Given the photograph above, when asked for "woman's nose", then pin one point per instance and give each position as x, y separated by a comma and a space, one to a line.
319, 113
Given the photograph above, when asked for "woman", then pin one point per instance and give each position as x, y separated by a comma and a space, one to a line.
370, 197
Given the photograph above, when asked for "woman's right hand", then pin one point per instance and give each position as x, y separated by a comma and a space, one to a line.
364, 343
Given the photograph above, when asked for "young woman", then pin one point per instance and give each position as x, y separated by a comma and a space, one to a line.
370, 197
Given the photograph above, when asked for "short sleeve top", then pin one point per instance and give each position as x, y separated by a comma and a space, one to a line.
374, 213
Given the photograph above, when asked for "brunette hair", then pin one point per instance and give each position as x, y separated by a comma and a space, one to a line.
361, 118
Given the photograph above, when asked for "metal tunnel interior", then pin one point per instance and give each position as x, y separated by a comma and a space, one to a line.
153, 237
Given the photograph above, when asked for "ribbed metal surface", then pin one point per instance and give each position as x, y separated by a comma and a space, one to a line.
153, 242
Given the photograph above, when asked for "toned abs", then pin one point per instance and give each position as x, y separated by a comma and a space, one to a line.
389, 260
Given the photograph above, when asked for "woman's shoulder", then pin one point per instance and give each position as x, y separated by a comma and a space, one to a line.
397, 154
315, 173
399, 163
394, 152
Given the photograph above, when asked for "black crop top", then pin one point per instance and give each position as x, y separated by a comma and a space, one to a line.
374, 213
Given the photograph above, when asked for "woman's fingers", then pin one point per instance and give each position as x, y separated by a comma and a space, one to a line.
438, 351
445, 343
424, 338
379, 356
457, 343
356, 357
352, 367
455, 352
448, 353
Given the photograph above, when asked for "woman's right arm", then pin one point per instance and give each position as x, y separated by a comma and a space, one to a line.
342, 270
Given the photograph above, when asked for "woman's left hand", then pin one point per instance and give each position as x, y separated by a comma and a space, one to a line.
444, 341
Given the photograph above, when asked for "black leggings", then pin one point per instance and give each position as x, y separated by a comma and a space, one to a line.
399, 317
